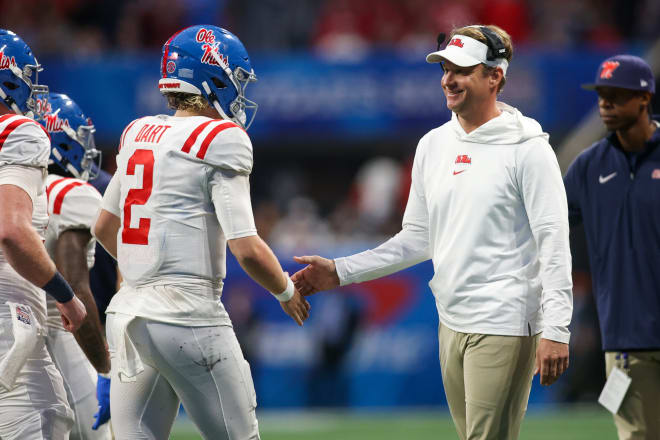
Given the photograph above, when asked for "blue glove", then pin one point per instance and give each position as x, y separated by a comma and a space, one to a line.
103, 396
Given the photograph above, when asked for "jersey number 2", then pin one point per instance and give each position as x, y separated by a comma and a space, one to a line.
138, 196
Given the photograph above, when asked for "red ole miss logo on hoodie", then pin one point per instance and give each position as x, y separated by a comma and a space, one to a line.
462, 162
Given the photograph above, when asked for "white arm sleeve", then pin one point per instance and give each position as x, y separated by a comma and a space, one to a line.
230, 192
544, 196
112, 196
407, 248
29, 179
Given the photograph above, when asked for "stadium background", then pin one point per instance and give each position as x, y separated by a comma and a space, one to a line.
344, 94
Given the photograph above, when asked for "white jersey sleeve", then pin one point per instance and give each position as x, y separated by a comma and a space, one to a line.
227, 146
230, 193
23, 141
112, 197
29, 179
72, 204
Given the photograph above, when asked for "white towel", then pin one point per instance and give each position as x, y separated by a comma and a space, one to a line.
25, 333
129, 362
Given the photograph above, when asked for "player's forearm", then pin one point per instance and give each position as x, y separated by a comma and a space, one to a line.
26, 253
259, 262
71, 259
90, 335
105, 231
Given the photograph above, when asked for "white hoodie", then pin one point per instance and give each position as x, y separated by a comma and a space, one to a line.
489, 208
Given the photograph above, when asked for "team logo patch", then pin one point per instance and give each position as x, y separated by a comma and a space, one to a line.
608, 69
23, 315
655, 174
171, 67
462, 163
455, 42
6, 61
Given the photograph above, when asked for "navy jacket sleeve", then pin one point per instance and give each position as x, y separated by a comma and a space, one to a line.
572, 181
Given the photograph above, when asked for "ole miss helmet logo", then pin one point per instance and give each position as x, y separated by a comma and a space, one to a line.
455, 42
212, 55
608, 69
462, 163
5, 61
54, 124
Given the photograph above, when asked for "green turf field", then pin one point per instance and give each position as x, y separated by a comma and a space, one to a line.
569, 423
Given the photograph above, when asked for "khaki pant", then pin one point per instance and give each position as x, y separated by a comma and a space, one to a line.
487, 379
639, 415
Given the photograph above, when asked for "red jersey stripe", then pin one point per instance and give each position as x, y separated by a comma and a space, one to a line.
10, 127
207, 141
194, 135
3, 118
52, 185
59, 199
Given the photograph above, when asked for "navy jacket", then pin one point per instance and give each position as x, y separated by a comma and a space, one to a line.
103, 276
617, 196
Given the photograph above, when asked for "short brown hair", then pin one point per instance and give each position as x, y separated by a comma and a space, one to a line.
186, 101
477, 34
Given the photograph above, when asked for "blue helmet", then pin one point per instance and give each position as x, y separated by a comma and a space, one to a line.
210, 61
71, 137
19, 73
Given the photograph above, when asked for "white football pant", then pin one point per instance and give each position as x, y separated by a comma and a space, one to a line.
79, 382
202, 366
36, 407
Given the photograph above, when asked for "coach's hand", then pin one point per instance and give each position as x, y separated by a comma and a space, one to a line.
320, 274
297, 308
551, 360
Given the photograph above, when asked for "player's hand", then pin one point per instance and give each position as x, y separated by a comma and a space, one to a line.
73, 313
320, 274
551, 360
103, 396
297, 308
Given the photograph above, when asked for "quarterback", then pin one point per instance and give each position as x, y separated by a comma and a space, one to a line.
33, 402
180, 196
72, 208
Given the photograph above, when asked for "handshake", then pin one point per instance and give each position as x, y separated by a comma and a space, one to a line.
319, 274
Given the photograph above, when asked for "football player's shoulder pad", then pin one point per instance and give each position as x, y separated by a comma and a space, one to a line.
230, 148
25, 142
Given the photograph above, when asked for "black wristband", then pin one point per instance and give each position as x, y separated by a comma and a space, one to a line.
58, 288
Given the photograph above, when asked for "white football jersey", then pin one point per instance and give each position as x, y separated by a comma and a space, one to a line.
72, 204
24, 142
165, 169
181, 191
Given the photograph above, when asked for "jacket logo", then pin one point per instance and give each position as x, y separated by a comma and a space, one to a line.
604, 179
608, 69
455, 42
461, 164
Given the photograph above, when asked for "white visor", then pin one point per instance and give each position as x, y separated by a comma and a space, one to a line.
465, 52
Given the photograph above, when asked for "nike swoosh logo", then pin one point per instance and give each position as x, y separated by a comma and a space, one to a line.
458, 172
602, 179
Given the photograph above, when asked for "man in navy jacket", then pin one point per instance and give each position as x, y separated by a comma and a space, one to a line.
614, 188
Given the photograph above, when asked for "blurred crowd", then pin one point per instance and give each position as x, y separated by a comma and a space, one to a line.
341, 29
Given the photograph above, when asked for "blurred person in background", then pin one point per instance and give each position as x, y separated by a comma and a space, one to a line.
33, 401
72, 208
180, 196
613, 187
488, 205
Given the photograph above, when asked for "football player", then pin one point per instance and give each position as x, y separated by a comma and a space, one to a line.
33, 402
180, 195
72, 208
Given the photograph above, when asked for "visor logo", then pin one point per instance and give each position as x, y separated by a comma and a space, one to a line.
455, 42
608, 69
